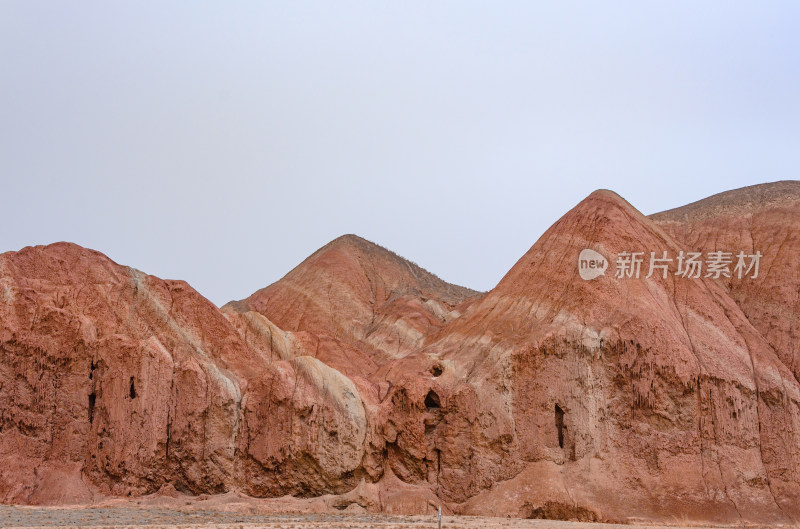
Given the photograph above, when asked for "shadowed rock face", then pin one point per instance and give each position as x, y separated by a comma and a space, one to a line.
361, 376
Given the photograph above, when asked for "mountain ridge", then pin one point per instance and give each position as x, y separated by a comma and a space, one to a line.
363, 381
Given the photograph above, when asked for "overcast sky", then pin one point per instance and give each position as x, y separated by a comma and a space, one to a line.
222, 143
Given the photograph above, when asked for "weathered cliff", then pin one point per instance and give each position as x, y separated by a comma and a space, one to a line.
363, 378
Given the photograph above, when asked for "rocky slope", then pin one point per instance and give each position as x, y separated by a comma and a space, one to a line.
114, 382
365, 381
763, 218
619, 397
356, 305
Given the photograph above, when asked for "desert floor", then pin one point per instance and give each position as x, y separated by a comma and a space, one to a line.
160, 517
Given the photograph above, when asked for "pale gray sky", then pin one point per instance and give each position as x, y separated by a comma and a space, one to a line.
222, 143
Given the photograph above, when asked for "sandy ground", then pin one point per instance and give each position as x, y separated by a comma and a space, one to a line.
162, 517
236, 511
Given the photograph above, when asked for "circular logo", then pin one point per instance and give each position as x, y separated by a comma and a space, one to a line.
591, 264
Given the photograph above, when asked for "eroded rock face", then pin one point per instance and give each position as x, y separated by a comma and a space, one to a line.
101, 373
355, 305
765, 219
363, 379
303, 432
119, 383
635, 397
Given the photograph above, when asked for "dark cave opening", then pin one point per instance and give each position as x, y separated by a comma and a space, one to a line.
432, 400
132, 389
436, 370
560, 425
92, 400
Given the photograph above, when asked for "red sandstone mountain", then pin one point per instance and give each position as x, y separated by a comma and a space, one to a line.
116, 382
617, 397
357, 305
362, 376
764, 218
107, 376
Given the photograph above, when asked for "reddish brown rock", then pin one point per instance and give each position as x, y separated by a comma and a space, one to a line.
116, 382
368, 383
355, 305
630, 397
763, 218
107, 372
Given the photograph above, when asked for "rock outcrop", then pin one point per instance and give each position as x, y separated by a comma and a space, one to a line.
118, 383
111, 380
355, 305
763, 218
621, 397
362, 379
